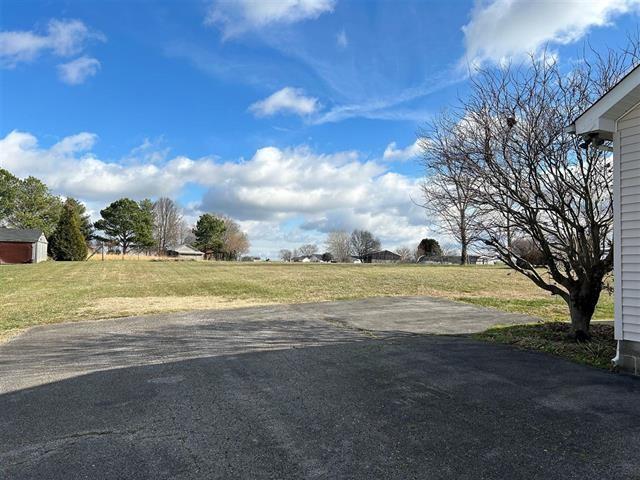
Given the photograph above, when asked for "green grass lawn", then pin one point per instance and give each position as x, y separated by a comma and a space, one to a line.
53, 292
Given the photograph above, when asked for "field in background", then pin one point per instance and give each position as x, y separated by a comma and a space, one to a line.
112, 256
53, 292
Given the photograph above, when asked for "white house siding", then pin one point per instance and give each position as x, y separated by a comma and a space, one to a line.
40, 250
627, 173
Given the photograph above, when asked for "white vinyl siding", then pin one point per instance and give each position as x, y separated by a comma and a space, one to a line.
628, 280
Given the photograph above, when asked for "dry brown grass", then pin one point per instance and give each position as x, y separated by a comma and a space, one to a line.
134, 306
53, 292
129, 257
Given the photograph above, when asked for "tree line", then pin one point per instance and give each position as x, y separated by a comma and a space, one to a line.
28, 203
341, 247
124, 225
344, 247
502, 172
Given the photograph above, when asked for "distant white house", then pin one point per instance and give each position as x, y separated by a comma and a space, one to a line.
184, 252
313, 258
484, 260
616, 116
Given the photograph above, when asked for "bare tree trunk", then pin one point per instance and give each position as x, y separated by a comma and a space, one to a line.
464, 254
582, 304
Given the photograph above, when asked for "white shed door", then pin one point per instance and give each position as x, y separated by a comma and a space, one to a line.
628, 278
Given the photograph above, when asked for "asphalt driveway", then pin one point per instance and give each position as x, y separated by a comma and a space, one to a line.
334, 390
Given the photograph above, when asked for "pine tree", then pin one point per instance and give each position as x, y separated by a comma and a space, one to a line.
86, 225
127, 223
209, 231
67, 241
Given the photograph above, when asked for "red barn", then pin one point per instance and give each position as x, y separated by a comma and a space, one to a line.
22, 245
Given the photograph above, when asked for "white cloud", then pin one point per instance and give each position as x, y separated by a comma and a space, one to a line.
278, 183
394, 154
239, 16
62, 38
503, 29
80, 142
288, 100
285, 197
77, 71
149, 151
70, 168
341, 39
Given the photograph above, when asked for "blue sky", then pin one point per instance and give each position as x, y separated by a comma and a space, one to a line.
294, 116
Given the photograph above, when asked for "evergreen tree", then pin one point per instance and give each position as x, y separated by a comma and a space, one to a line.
127, 223
429, 247
144, 235
209, 233
67, 242
86, 225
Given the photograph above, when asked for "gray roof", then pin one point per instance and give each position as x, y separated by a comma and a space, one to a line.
20, 235
378, 252
184, 250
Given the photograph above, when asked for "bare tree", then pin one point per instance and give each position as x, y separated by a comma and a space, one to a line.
339, 245
363, 242
235, 241
449, 249
448, 190
186, 236
406, 254
286, 255
308, 249
167, 223
537, 181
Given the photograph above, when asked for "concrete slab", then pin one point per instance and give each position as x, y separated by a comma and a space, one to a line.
53, 352
416, 315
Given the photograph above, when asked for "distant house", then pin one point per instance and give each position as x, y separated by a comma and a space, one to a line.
456, 259
184, 252
313, 258
440, 259
307, 258
380, 256
484, 260
19, 245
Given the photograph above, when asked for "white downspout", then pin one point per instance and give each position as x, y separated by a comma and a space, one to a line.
617, 238
616, 360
